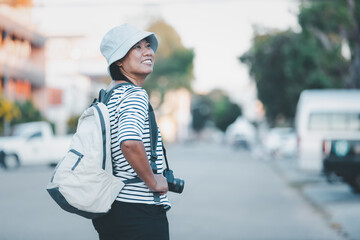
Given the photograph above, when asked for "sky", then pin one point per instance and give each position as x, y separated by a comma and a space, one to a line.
219, 31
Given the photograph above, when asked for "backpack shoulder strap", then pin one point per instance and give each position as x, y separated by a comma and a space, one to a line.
104, 96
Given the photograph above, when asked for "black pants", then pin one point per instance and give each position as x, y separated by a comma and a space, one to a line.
130, 221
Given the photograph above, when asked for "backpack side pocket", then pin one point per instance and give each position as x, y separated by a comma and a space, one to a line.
79, 155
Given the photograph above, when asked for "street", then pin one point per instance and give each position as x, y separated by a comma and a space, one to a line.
336, 202
228, 194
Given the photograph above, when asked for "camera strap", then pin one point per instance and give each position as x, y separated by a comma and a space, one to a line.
164, 151
153, 138
153, 144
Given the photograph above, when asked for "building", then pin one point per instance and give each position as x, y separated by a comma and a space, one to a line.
48, 70
22, 54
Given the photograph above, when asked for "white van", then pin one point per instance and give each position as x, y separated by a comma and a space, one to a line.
324, 114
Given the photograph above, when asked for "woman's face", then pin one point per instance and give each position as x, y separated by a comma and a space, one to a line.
139, 61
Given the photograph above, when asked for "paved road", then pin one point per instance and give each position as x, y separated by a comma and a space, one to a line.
228, 195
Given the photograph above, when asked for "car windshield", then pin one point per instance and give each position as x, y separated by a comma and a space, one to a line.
25, 130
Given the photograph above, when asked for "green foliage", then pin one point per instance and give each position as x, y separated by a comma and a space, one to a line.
17, 112
173, 67
29, 112
285, 63
225, 113
329, 16
173, 72
200, 111
334, 22
9, 111
215, 107
72, 124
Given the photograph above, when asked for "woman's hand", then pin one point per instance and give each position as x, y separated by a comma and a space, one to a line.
134, 152
161, 184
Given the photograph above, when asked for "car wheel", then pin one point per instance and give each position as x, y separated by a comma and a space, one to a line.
331, 177
12, 161
2, 159
355, 184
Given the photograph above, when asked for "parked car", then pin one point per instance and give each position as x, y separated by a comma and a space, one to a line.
324, 114
33, 143
280, 142
341, 158
241, 134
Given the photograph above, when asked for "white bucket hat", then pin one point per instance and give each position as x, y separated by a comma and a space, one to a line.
119, 40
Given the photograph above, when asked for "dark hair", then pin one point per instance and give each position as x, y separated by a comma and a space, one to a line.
115, 72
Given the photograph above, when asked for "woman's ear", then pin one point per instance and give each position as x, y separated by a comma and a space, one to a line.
119, 63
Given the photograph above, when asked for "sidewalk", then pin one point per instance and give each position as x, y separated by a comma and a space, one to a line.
338, 205
230, 195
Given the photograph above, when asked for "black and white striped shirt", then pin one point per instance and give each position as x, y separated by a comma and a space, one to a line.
129, 120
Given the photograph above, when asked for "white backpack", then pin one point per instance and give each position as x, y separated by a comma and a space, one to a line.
83, 182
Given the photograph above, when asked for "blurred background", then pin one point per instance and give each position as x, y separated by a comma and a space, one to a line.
270, 85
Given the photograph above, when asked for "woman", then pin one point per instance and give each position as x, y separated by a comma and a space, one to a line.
139, 211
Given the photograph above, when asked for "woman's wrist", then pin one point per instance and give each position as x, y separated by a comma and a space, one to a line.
152, 184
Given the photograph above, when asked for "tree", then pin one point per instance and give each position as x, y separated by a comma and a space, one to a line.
214, 107
333, 23
17, 112
225, 112
285, 63
29, 112
173, 67
201, 112
72, 124
9, 111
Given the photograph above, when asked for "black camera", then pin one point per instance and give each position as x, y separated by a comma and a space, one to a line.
175, 184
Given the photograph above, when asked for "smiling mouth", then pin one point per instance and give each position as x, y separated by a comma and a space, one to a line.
148, 61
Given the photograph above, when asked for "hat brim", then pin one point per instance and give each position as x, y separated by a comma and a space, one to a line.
123, 49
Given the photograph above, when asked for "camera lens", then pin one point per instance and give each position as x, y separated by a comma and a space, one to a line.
177, 185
